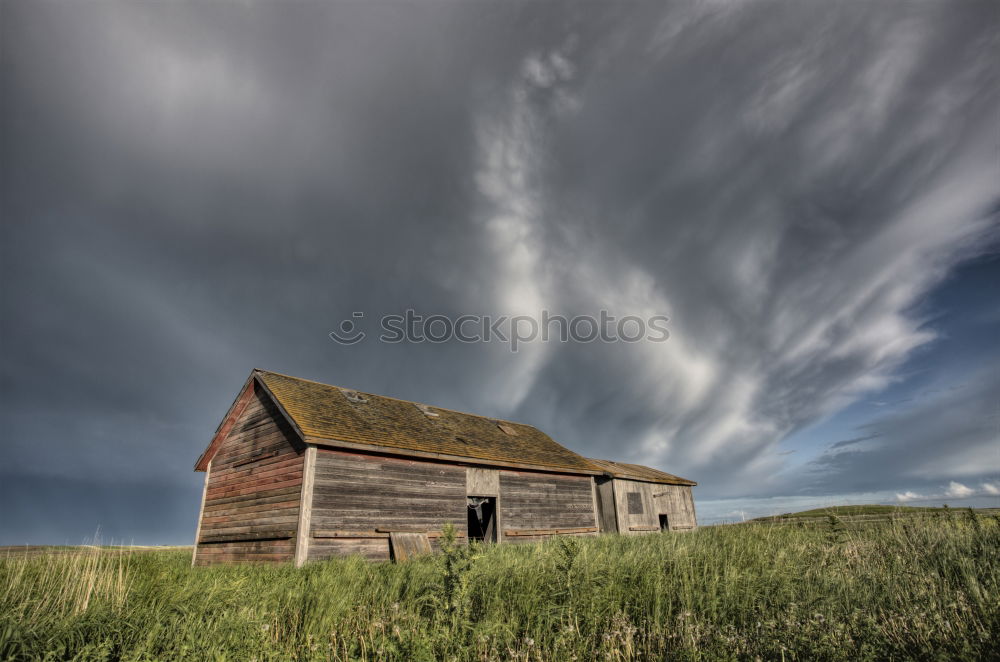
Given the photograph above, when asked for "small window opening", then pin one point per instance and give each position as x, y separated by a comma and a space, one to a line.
482, 519
427, 411
664, 523
634, 503
353, 396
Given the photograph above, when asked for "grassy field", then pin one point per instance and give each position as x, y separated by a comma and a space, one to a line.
922, 588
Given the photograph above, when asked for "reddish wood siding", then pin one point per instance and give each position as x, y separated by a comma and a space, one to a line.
252, 505
354, 492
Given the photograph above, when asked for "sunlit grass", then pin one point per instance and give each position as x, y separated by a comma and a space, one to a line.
916, 588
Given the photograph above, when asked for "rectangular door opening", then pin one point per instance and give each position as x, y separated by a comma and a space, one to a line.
664, 523
482, 518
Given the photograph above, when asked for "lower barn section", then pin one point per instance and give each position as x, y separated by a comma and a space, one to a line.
247, 551
359, 500
374, 547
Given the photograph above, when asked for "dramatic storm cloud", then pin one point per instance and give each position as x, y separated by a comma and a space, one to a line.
191, 190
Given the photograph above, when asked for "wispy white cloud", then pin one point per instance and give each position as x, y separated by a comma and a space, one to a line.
511, 142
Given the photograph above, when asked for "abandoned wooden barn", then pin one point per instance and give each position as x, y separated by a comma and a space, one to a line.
300, 471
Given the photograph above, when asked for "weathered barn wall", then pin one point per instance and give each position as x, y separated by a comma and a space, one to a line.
639, 504
251, 504
354, 494
534, 506
358, 499
677, 501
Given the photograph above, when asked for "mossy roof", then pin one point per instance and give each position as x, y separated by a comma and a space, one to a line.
323, 412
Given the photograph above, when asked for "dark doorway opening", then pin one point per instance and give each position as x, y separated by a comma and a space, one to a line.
482, 518
664, 523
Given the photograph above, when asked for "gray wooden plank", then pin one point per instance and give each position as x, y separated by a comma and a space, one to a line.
405, 546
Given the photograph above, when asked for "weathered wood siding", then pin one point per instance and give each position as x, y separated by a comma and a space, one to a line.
674, 501
535, 506
252, 505
355, 494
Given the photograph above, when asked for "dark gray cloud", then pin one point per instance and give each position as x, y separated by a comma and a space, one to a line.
854, 440
193, 190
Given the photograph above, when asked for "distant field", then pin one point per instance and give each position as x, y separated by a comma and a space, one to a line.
873, 511
36, 550
900, 588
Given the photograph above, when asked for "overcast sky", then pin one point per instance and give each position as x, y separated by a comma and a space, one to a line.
810, 191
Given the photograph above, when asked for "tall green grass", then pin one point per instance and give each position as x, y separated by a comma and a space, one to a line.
920, 588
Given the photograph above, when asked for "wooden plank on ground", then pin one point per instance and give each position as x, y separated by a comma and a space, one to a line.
406, 545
